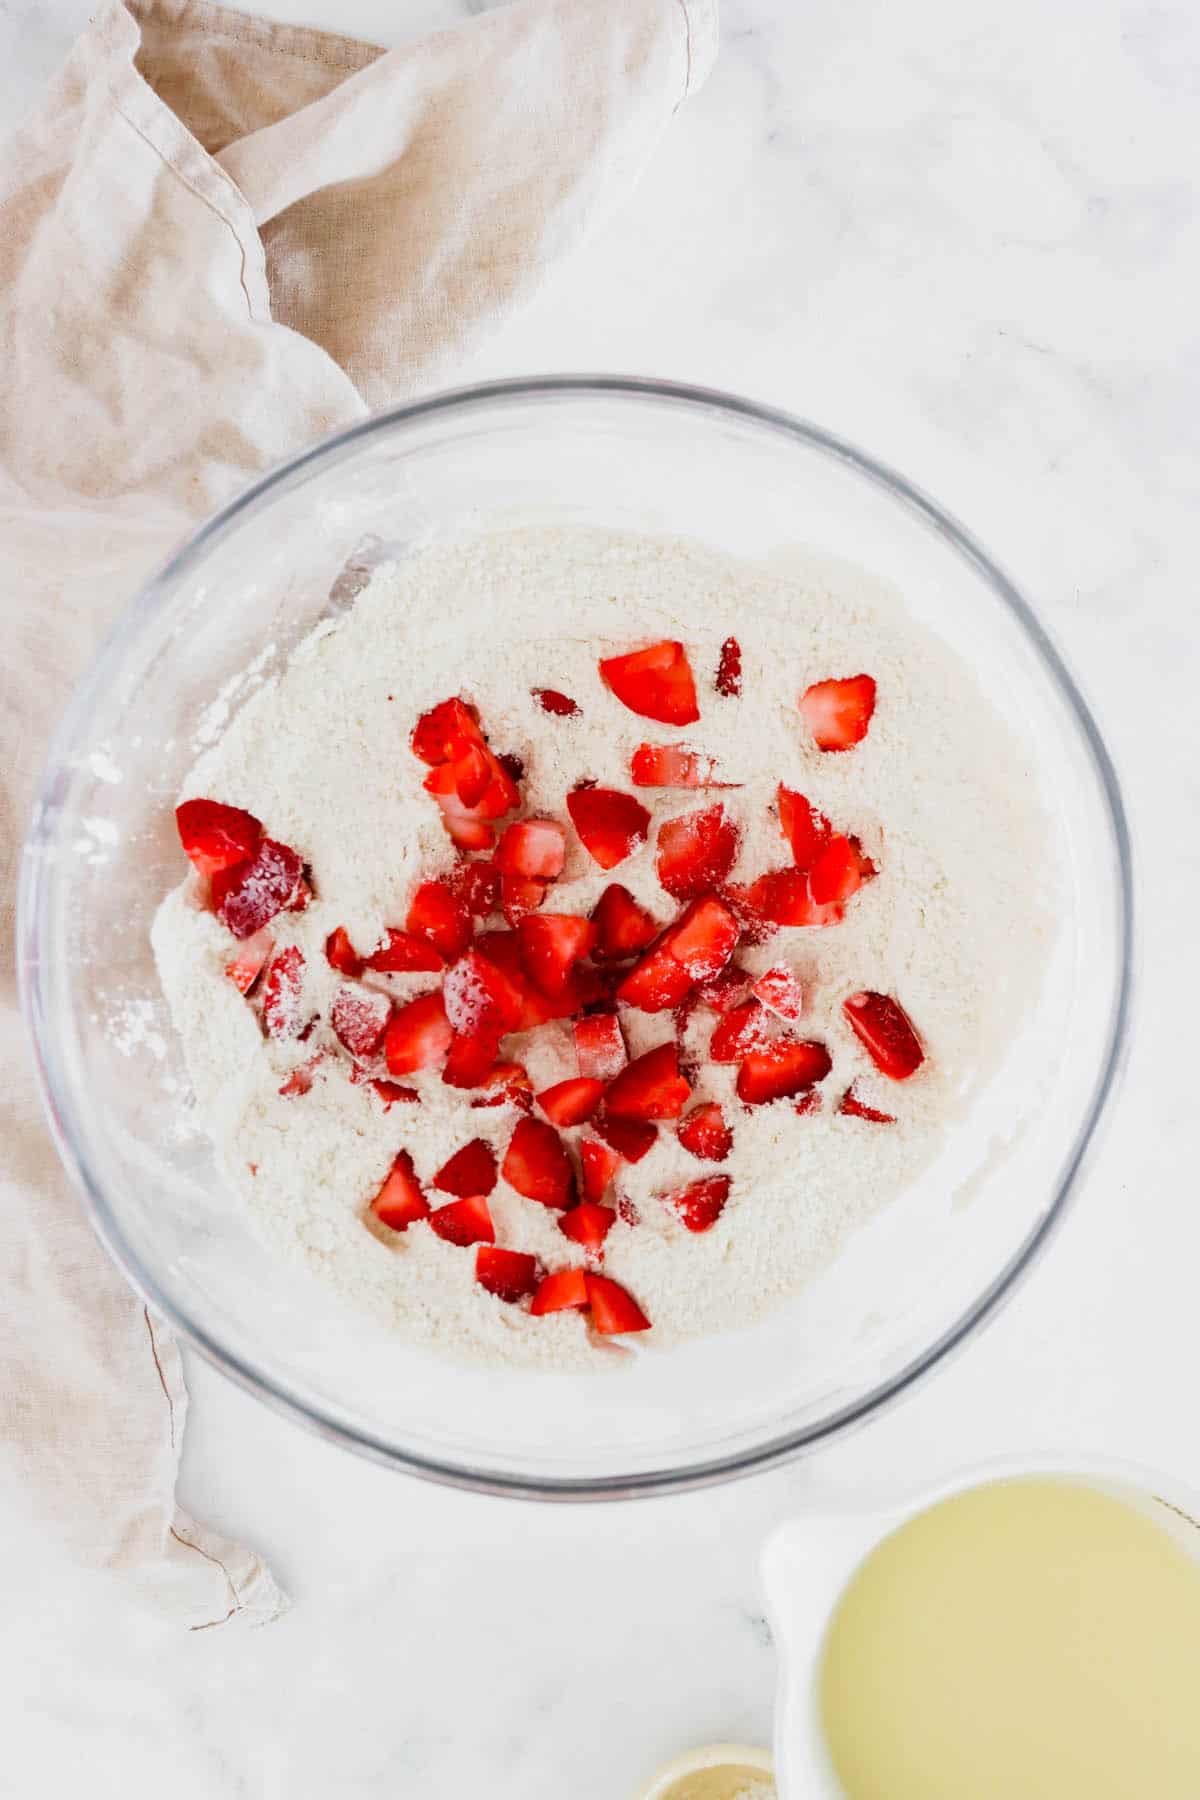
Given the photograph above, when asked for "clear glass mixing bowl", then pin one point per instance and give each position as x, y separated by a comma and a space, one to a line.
102, 851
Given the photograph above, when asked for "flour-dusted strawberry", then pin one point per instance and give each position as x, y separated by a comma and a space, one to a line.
467, 829
471, 1170
838, 713
215, 836
780, 1070
359, 1017
858, 1109
886, 1033
440, 914
837, 874
741, 1031
588, 1224
341, 955
783, 897
479, 998
465, 1221
613, 1309
810, 1102
248, 896
655, 683
400, 1202
572, 1101
550, 946
656, 983
724, 991
441, 733
565, 1289
303, 1075
674, 766
470, 1058
696, 852
650, 1088
611, 825
630, 1138
623, 927
509, 1274
704, 939
779, 988
520, 896
507, 1084
729, 668
283, 1011
418, 1036
600, 1046
247, 965
477, 885
534, 848
502, 950
704, 1132
551, 701
392, 1093
536, 1164
401, 953
699, 1204
806, 830
599, 1163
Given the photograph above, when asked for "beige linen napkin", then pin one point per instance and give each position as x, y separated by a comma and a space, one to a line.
220, 238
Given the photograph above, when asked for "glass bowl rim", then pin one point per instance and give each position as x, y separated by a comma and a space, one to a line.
59, 1100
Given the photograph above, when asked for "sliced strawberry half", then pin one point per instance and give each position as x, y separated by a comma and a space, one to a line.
858, 1109
247, 965
783, 897
507, 1084
283, 1013
470, 1058
465, 1221
477, 885
442, 733
674, 766
215, 836
400, 1201
520, 896
418, 1036
559, 1292
599, 1163
656, 983
550, 945
479, 998
534, 848
248, 896
623, 927
725, 991
779, 988
536, 1164
886, 1033
781, 1070
696, 852
551, 701
741, 1031
704, 939
471, 1170
509, 1274
441, 915
613, 1309
806, 830
359, 1017
838, 713
705, 1133
611, 825
403, 954
588, 1224
650, 1088
655, 683
341, 955
700, 1203
837, 873
571, 1102
600, 1046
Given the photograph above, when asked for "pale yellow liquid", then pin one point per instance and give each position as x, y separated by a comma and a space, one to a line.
1027, 1640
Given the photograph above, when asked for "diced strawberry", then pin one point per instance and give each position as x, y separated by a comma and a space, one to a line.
599, 1163
655, 682
700, 1203
780, 1070
248, 896
783, 896
742, 1030
613, 1310
477, 884
509, 1274
705, 1133
838, 713
215, 836
571, 1102
780, 989
535, 848
725, 991
551, 701
836, 874
623, 926
302, 896
588, 1224
611, 825
468, 826
438, 733
470, 1058
465, 1221
674, 766
536, 1164
756, 929
556, 1293
806, 830
401, 953
656, 983
886, 1033
520, 896
600, 1046
704, 939
507, 1085
650, 1088
502, 950
729, 668
247, 965
550, 945
418, 1036
303, 1075
400, 1201
696, 852
392, 1094
442, 916
808, 1103
341, 955
471, 1170
479, 997
631, 1138
359, 1017
472, 765
282, 1013
858, 1109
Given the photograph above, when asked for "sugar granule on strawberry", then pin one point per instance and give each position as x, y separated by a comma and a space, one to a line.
248, 964
674, 766
520, 896
838, 713
886, 1033
729, 669
248, 896
705, 1134
700, 1204
507, 1084
781, 1070
216, 837
696, 852
534, 848
359, 1017
478, 997
442, 915
611, 825
283, 1012
779, 988
739, 1032
600, 1046
655, 683
477, 884
704, 939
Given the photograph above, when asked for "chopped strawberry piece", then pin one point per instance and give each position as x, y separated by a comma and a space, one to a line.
509, 1274
392, 1094
838, 713
600, 1163
836, 874
471, 1170
705, 1133
613, 1310
502, 950
472, 773
696, 852
507, 1085
400, 1201
247, 965
477, 884
359, 1017
215, 836
704, 939
742, 1030
551, 701
858, 1109
886, 1033
519, 896
535, 848
781, 1070
341, 955
725, 991
418, 1036
467, 826
470, 1058
655, 682
465, 1221
440, 733
657, 983
805, 829
302, 1076
630, 1138
479, 997
783, 896
674, 766
780, 989
650, 1088
588, 1224
600, 1046
282, 1013
729, 668
550, 945
808, 1103
611, 825
302, 896
623, 926
571, 1102
247, 897
700, 1203
401, 953
536, 1164
440, 914
556, 1293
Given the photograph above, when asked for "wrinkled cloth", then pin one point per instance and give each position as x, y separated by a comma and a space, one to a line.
222, 238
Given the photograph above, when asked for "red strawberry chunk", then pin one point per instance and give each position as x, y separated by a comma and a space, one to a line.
508, 1084
674, 766
477, 884
613, 1309
630, 1138
808, 1103
247, 897
886, 1033
440, 733
215, 836
391, 1092
657, 983
479, 998
611, 825
502, 950
471, 1170
655, 682
247, 965
560, 1291
550, 945
836, 874
440, 914
783, 896
705, 1133
858, 1109
588, 1224
472, 767
283, 1015
743, 1030
600, 1046
467, 829
780, 989
704, 939
470, 1058
418, 1036
536, 1164
623, 926
696, 852
571, 1102
341, 955
700, 1203
806, 830
359, 1017
781, 1070
725, 991
509, 1274
729, 668
650, 1088
302, 1076
400, 1201
838, 713
465, 1221
551, 701
401, 953
519, 896
599, 1163
535, 848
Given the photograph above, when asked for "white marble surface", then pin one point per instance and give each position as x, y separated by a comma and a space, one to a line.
966, 236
